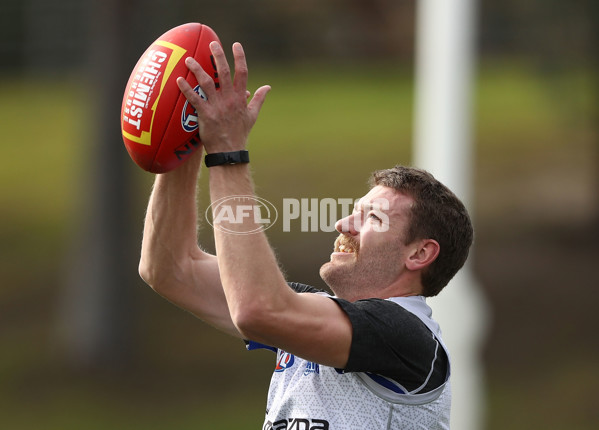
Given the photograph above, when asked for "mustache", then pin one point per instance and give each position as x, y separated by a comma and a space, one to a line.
347, 242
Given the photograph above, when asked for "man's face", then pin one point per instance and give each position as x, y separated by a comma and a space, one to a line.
369, 251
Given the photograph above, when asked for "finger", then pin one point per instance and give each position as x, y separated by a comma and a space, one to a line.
241, 68
204, 79
257, 101
193, 97
222, 67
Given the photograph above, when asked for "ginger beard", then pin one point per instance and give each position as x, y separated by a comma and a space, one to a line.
353, 271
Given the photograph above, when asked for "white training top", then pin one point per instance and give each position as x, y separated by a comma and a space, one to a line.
308, 396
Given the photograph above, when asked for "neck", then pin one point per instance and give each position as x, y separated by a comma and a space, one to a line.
393, 290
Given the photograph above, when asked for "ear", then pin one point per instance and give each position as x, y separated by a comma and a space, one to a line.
423, 253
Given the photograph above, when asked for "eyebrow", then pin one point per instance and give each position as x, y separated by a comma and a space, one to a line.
359, 206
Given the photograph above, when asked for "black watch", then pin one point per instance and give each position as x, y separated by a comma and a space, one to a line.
220, 158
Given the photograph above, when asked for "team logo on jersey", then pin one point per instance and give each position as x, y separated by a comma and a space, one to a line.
284, 361
311, 368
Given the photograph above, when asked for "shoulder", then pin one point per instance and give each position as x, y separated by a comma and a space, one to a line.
382, 314
391, 341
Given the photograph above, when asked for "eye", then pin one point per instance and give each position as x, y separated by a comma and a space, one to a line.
372, 216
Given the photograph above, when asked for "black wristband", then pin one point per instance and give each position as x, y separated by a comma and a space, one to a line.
219, 158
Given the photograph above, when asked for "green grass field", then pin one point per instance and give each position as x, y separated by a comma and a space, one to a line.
319, 134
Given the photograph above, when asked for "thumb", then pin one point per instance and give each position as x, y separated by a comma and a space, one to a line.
257, 101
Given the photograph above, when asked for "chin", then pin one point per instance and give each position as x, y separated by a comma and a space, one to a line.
335, 277
324, 270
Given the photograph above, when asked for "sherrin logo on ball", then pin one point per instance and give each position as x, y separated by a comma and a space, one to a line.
158, 125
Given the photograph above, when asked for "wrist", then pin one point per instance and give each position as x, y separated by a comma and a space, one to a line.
189, 168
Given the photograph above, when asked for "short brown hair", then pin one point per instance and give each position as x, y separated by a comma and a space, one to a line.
436, 214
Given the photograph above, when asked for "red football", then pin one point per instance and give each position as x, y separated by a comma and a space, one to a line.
159, 126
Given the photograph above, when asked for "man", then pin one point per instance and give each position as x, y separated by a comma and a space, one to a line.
369, 357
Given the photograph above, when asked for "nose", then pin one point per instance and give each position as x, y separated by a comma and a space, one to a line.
348, 225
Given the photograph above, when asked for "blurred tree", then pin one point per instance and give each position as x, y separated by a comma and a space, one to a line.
592, 7
311, 29
553, 31
11, 36
97, 295
37, 33
98, 306
53, 32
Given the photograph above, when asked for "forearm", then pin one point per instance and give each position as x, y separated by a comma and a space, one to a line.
251, 278
247, 267
170, 229
171, 261
262, 307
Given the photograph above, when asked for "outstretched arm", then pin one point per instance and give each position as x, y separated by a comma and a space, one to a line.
171, 261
